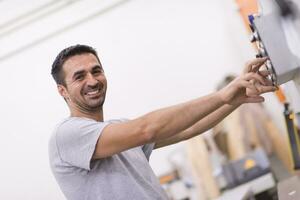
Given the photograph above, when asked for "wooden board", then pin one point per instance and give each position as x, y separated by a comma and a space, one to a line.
199, 157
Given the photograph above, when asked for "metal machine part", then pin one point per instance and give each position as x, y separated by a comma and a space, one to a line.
293, 136
276, 32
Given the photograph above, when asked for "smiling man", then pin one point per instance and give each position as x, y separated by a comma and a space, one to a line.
83, 97
96, 159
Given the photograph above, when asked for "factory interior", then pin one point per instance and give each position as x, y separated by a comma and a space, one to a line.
156, 54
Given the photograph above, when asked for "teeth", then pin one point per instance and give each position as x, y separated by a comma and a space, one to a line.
92, 92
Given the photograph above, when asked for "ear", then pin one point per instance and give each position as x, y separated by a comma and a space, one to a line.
62, 90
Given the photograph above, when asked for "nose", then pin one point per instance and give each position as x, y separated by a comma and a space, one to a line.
90, 79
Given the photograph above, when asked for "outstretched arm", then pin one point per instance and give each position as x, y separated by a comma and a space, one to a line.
217, 116
165, 123
155, 126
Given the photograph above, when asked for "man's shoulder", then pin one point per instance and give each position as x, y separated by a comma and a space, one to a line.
52, 139
73, 125
83, 120
66, 125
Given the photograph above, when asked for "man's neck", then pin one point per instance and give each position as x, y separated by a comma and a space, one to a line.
97, 116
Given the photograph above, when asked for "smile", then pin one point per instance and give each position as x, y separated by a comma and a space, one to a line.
92, 92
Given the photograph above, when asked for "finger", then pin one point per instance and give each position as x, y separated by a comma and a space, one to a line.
252, 92
264, 89
255, 76
247, 84
256, 63
264, 73
267, 82
258, 66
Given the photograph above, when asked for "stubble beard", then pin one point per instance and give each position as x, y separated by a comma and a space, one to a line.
88, 108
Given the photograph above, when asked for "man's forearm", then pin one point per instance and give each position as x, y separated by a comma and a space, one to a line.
200, 127
165, 123
211, 120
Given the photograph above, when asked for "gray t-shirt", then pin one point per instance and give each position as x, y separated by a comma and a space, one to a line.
123, 176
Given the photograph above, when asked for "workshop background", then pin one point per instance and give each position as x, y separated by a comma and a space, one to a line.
155, 54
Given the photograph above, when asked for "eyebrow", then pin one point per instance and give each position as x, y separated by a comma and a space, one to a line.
82, 71
78, 73
96, 67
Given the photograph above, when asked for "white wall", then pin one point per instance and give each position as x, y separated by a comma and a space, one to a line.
155, 53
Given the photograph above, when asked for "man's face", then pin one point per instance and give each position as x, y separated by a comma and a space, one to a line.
85, 83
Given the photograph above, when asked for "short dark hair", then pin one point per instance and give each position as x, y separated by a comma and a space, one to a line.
57, 72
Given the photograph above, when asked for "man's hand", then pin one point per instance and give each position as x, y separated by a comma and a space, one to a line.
248, 87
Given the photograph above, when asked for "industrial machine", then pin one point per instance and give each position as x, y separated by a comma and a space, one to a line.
276, 33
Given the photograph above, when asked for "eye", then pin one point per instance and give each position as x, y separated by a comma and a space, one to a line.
97, 71
79, 77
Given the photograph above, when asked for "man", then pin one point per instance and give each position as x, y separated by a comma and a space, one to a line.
95, 159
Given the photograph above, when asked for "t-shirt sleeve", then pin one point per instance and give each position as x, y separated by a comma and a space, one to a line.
147, 149
76, 140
